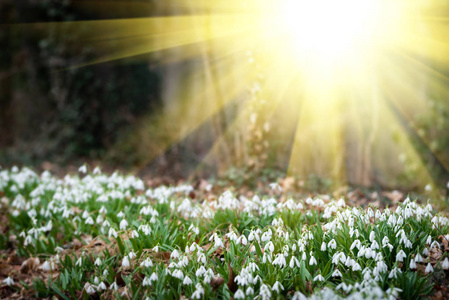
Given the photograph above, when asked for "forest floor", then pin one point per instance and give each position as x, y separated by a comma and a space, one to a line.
91, 235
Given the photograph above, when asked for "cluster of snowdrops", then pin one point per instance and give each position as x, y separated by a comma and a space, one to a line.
160, 244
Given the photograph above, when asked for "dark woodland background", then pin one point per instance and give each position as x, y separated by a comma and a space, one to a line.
56, 115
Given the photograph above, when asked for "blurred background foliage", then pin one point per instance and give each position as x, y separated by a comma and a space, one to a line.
52, 111
115, 112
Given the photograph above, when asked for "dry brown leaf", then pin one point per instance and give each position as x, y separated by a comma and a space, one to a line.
394, 196
437, 296
216, 282
231, 283
435, 255
30, 265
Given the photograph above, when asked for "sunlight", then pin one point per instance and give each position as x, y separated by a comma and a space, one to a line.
332, 31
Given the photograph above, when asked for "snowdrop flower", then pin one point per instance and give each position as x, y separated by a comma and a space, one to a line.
178, 274
98, 262
146, 281
342, 286
90, 221
243, 240
419, 258
89, 288
312, 261
112, 232
200, 272
251, 236
393, 293
400, 256
202, 258
82, 169
337, 273
278, 287
356, 267
265, 292
8, 281
153, 277
239, 294
199, 292
134, 234
131, 255
372, 236
332, 244
429, 268
269, 246
445, 264
123, 224
45, 266
374, 245
102, 286
323, 246
275, 186
114, 286
299, 296
125, 262
79, 262
356, 243
97, 171
412, 264
249, 291
425, 252
146, 263
394, 273
280, 260
435, 244
266, 257
294, 261
319, 277
187, 281
266, 236
174, 254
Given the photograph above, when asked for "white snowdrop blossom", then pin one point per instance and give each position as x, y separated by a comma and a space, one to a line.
187, 281
112, 232
412, 264
8, 281
400, 256
323, 246
123, 224
332, 244
239, 294
337, 273
280, 260
89, 288
278, 287
153, 277
178, 274
319, 277
445, 264
294, 261
125, 262
82, 169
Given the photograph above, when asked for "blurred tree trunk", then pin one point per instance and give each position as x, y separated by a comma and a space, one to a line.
6, 70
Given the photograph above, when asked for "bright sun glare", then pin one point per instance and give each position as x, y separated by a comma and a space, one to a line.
335, 31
